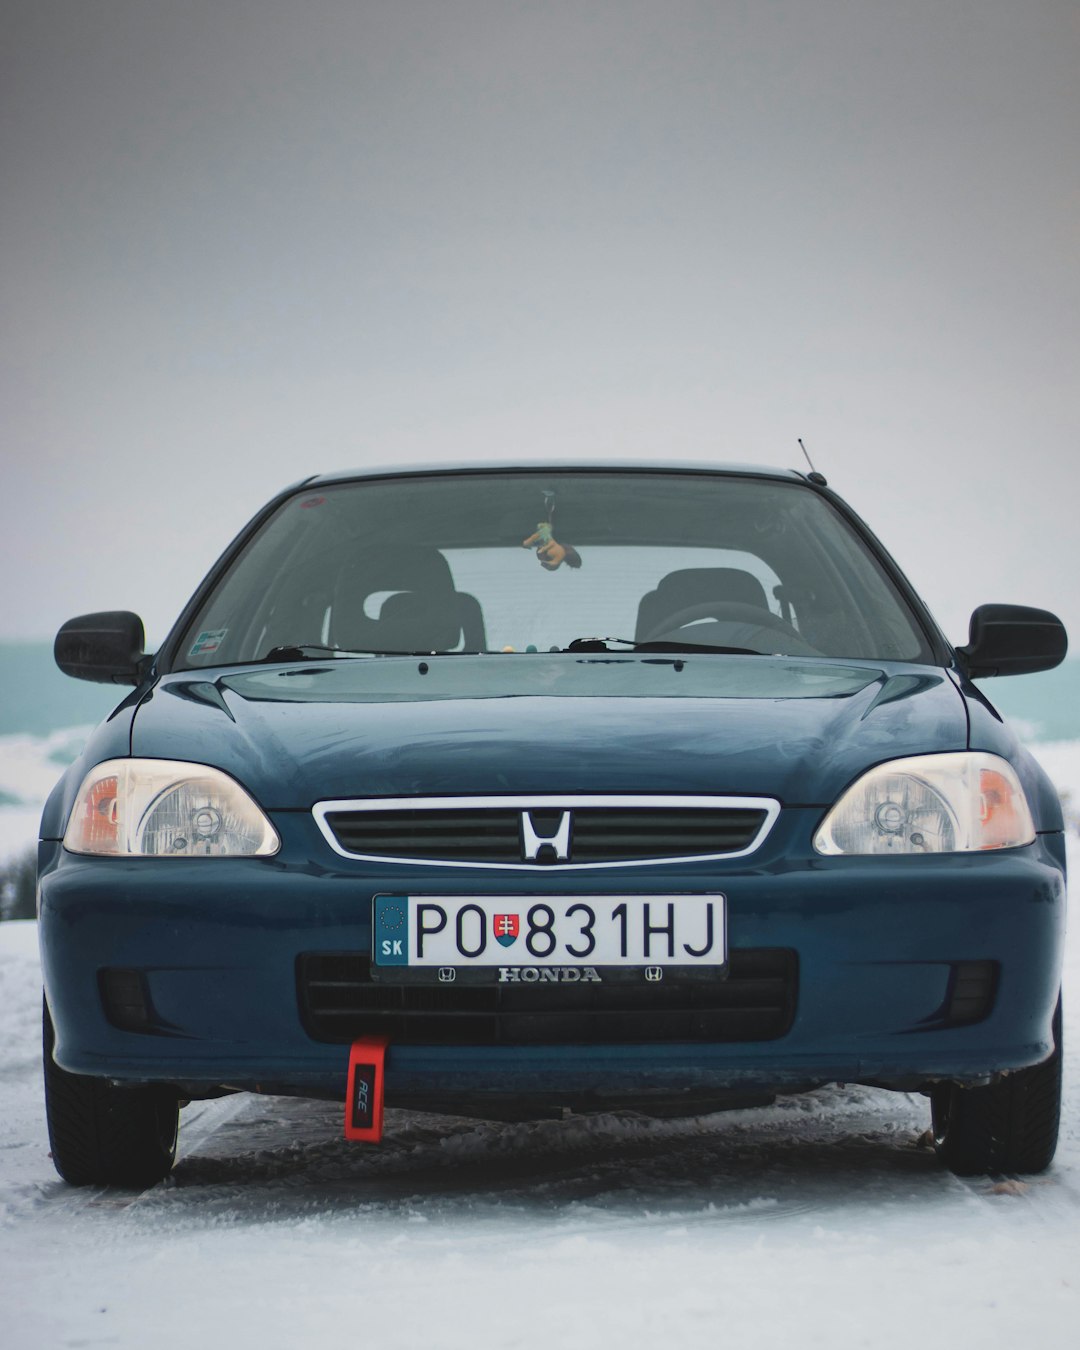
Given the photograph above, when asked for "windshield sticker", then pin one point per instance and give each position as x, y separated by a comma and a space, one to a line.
312, 502
208, 641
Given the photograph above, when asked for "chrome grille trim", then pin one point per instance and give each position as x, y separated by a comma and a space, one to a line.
540, 802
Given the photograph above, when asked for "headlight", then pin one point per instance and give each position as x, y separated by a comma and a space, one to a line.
950, 803
163, 808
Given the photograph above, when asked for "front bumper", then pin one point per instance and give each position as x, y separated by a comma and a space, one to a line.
216, 944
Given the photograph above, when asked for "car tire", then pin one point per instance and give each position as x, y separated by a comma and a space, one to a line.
1008, 1126
104, 1135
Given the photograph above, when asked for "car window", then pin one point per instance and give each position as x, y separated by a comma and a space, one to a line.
525, 605
439, 563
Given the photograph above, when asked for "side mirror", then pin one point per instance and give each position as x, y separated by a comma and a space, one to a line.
106, 648
1013, 640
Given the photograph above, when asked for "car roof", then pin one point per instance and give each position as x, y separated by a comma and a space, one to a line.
555, 465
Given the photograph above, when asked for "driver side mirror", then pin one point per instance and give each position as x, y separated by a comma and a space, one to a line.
106, 648
1013, 640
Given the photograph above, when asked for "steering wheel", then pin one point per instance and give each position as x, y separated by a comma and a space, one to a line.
731, 612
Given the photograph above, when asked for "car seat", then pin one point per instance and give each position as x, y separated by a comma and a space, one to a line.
692, 586
421, 610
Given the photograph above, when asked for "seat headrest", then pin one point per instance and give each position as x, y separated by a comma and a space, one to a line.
422, 611
410, 621
697, 585
401, 569
691, 586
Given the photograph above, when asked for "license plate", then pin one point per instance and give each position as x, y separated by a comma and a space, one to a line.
455, 931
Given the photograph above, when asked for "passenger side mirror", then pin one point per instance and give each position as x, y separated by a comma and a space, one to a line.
1013, 640
106, 648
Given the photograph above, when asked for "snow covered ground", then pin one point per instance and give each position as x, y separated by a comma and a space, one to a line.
821, 1221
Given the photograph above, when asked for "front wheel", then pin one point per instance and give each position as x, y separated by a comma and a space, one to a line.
1009, 1126
104, 1135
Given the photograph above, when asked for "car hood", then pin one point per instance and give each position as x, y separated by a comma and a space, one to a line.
795, 729
798, 730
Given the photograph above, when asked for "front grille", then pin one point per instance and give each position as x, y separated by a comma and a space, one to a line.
493, 834
755, 1002
462, 835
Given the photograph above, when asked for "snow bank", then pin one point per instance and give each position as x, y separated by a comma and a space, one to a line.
29, 769
1061, 760
30, 765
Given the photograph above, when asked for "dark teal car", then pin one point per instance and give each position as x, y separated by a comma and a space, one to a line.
511, 790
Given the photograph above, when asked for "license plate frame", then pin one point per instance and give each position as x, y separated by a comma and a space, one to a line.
696, 949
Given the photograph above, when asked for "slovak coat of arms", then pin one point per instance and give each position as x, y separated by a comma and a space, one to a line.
506, 927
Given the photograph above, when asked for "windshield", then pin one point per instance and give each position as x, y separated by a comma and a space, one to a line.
527, 561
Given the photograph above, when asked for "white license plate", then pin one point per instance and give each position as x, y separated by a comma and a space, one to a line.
564, 930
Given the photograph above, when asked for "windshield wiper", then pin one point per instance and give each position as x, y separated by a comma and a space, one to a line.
598, 644
300, 651
306, 651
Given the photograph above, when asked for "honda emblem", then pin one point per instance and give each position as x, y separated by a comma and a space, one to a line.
532, 843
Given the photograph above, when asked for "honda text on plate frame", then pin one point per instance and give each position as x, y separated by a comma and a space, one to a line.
511, 790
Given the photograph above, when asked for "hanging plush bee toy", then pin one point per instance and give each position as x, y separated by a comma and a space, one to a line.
551, 553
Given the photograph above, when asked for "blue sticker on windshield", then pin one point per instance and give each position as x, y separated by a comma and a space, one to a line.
208, 641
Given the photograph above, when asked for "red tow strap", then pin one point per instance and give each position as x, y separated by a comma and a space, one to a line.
364, 1094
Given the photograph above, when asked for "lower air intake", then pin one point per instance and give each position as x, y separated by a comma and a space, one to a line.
755, 1002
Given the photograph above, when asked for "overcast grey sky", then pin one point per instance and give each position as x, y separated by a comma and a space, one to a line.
248, 240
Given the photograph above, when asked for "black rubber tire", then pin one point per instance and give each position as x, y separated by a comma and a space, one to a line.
1009, 1126
104, 1135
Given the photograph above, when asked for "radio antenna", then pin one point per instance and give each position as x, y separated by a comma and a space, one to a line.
814, 476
